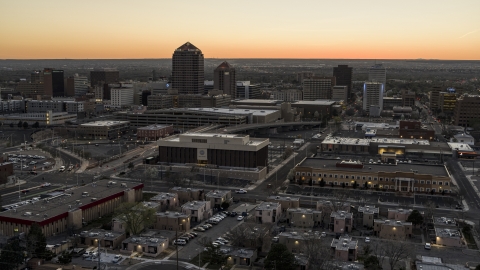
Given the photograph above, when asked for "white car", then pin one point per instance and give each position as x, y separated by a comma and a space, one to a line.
367, 239
240, 218
428, 246
117, 258
240, 191
62, 169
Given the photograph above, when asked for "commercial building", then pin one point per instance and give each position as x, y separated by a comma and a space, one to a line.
213, 99
198, 210
312, 109
107, 239
55, 214
30, 90
241, 257
467, 110
372, 95
230, 150
378, 73
224, 79
408, 98
390, 102
44, 119
218, 197
245, 90
406, 178
415, 130
340, 92
166, 200
367, 214
341, 222
268, 212
208, 86
463, 138
121, 95
154, 132
103, 129
344, 249
188, 194
58, 83
35, 106
447, 102
435, 98
188, 69
6, 170
104, 76
287, 95
76, 86
304, 75
285, 202
343, 77
147, 246
318, 88
172, 221
448, 237
392, 229
303, 217
399, 214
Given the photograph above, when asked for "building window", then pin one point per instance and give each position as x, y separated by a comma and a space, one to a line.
428, 182
392, 187
336, 176
427, 190
369, 178
434, 182
422, 181
346, 176
363, 177
446, 183
386, 179
440, 183
375, 178
335, 183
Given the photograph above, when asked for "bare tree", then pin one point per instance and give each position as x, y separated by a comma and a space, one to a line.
136, 216
250, 235
317, 250
397, 251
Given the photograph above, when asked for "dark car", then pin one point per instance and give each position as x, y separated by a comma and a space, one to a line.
233, 214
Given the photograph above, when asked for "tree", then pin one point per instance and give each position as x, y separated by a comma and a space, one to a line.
288, 152
396, 251
225, 205
25, 125
12, 255
317, 251
36, 241
11, 125
350, 112
20, 123
65, 258
280, 258
415, 218
372, 263
316, 114
130, 165
36, 125
213, 255
291, 175
322, 183
136, 216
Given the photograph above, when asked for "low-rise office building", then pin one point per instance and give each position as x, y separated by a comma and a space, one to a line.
399, 214
230, 150
166, 200
172, 221
43, 119
188, 194
198, 210
146, 246
154, 132
368, 214
341, 222
218, 197
108, 239
448, 237
285, 202
344, 249
400, 177
392, 229
268, 212
104, 129
62, 210
304, 217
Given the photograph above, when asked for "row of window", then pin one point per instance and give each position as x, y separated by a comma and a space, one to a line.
373, 178
389, 187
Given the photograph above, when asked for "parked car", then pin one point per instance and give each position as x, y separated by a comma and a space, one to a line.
428, 246
324, 234
233, 214
240, 218
240, 191
180, 242
116, 259
367, 239
199, 229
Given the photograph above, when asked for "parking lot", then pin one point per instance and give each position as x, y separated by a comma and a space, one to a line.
30, 160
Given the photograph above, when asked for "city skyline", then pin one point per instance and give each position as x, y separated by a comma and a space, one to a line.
309, 30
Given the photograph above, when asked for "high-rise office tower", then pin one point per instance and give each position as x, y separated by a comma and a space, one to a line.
58, 83
245, 90
36, 77
318, 88
372, 95
343, 76
81, 85
47, 81
434, 98
104, 76
378, 73
187, 69
224, 79
69, 86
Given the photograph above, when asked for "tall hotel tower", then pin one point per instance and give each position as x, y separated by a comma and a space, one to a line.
188, 70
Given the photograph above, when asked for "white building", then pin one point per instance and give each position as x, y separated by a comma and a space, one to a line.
378, 73
43, 118
372, 95
318, 88
340, 92
245, 90
463, 138
122, 95
287, 95
80, 84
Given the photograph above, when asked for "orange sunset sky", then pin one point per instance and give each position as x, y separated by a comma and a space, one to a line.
240, 29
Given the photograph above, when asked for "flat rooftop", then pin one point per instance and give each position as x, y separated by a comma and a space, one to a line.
448, 233
171, 214
218, 193
67, 201
102, 234
460, 146
164, 196
267, 206
330, 164
344, 243
145, 240
341, 215
253, 101
194, 205
104, 123
320, 102
283, 198
391, 222
254, 112
184, 189
242, 253
444, 221
368, 209
304, 210
153, 127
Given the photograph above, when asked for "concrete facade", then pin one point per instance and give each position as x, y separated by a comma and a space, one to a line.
268, 212
392, 229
